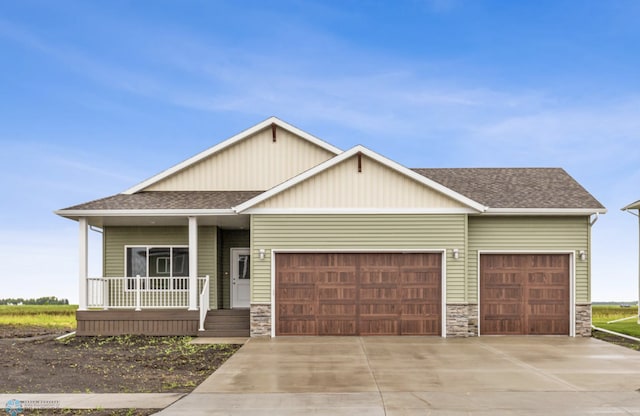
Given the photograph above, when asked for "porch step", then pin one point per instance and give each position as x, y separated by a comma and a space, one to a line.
224, 334
226, 323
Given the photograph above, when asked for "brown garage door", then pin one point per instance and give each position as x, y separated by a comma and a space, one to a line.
524, 294
358, 294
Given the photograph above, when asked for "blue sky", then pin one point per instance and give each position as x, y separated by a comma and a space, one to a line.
99, 95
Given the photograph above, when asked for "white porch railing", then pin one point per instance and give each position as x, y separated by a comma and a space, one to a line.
204, 303
142, 292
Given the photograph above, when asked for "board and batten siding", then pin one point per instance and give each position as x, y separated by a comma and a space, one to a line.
534, 234
374, 186
355, 232
116, 238
256, 163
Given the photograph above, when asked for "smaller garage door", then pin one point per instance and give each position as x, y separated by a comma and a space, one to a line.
524, 294
358, 294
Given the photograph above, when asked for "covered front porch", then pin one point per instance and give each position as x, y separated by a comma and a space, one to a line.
166, 275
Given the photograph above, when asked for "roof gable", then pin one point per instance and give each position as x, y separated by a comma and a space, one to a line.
360, 179
255, 159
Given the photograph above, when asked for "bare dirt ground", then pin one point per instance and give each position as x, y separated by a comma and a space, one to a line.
32, 361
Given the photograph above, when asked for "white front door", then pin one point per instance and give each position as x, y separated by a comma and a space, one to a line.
240, 278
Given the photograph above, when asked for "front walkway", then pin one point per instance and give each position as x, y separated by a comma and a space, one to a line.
420, 375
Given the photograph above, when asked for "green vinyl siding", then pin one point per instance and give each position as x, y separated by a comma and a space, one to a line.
116, 238
530, 233
228, 239
374, 231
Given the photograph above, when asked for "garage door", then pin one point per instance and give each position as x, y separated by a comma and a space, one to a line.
524, 294
358, 294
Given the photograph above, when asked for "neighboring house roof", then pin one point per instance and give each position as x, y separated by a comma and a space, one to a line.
516, 188
272, 121
634, 205
168, 200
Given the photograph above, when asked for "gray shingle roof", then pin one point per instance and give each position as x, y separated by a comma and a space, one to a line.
515, 187
169, 200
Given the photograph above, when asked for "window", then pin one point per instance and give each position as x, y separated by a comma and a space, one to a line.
243, 266
160, 268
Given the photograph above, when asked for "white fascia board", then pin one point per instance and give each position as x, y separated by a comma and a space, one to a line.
545, 211
76, 213
389, 211
371, 154
230, 141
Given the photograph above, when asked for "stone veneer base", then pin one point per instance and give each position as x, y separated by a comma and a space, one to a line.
583, 320
462, 320
260, 318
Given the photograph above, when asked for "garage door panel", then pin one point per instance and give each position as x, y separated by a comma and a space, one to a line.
378, 278
364, 293
524, 294
420, 277
381, 309
420, 309
378, 293
336, 326
298, 277
298, 326
295, 292
419, 293
419, 326
501, 294
337, 309
336, 276
501, 326
294, 309
379, 326
325, 292
548, 326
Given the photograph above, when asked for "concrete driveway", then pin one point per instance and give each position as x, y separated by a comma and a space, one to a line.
421, 376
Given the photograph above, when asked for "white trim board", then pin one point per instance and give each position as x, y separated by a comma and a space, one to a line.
143, 212
443, 276
349, 211
572, 280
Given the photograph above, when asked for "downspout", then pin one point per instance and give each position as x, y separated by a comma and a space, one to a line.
637, 215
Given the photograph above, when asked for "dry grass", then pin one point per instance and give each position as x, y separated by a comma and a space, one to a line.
45, 316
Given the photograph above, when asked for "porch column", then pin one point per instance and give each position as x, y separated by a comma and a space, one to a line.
193, 263
84, 263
